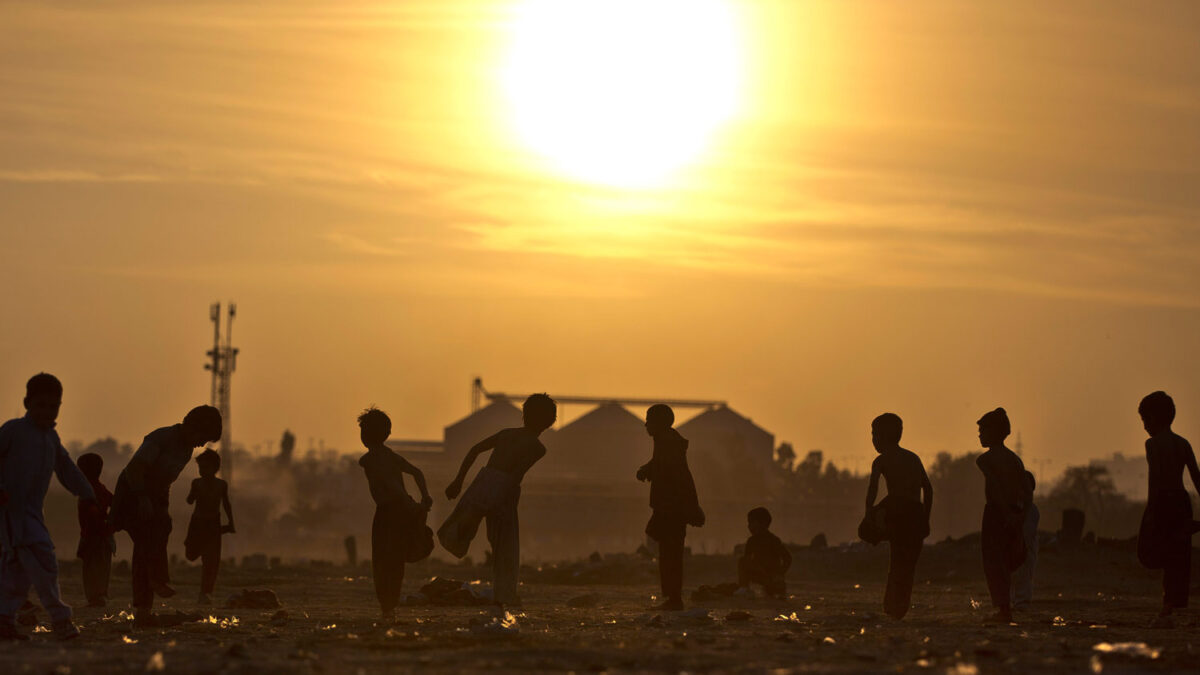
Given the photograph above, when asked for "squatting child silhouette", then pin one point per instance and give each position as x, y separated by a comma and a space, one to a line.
96, 543
30, 452
142, 498
203, 540
673, 500
495, 493
765, 560
906, 508
1165, 536
1022, 592
397, 516
1002, 539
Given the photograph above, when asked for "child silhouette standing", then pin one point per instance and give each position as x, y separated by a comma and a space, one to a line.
906, 508
673, 500
1165, 537
96, 543
1002, 538
203, 541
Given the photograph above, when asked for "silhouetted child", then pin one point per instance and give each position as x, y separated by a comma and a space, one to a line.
673, 500
203, 540
396, 514
1023, 578
906, 509
96, 544
1165, 537
30, 453
495, 493
1002, 538
766, 560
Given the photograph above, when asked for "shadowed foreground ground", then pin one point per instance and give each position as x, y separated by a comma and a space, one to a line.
1088, 597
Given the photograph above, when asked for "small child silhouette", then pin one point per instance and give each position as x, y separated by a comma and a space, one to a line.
96, 542
906, 508
397, 516
1165, 537
1002, 539
673, 500
203, 541
766, 560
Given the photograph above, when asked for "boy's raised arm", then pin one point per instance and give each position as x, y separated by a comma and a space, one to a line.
478, 449
418, 478
873, 485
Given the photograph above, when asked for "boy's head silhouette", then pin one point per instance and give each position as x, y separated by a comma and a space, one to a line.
994, 427
202, 425
1157, 411
539, 412
886, 431
91, 465
209, 463
374, 426
43, 398
759, 520
659, 418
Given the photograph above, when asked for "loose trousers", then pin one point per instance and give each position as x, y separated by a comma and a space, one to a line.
504, 534
1003, 547
771, 580
149, 564
96, 559
32, 565
906, 526
387, 553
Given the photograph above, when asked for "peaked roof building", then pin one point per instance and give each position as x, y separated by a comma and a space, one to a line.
606, 444
729, 454
458, 438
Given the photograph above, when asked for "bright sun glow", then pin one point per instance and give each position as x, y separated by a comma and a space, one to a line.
622, 93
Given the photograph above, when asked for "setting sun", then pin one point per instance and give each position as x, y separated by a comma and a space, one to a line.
622, 93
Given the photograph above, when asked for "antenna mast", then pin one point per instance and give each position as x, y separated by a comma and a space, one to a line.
223, 361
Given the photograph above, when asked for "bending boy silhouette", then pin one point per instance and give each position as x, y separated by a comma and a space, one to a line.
203, 540
96, 544
396, 514
1165, 537
1002, 539
31, 452
766, 560
906, 508
672, 498
495, 493
143, 495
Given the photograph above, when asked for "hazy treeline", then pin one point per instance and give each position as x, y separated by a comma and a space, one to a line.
303, 506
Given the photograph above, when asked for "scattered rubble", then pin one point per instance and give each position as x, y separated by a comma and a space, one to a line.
253, 599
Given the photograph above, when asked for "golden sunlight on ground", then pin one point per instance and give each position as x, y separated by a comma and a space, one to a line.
622, 93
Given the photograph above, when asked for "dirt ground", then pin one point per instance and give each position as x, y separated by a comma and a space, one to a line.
833, 623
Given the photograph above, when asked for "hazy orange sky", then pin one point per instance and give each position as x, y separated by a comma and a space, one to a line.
932, 208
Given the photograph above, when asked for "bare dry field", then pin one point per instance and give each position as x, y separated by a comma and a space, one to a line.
832, 623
